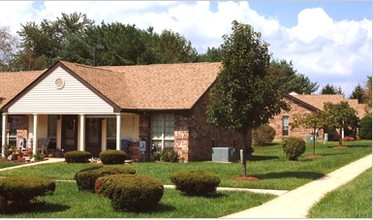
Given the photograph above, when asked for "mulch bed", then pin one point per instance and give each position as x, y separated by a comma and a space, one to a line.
312, 156
246, 178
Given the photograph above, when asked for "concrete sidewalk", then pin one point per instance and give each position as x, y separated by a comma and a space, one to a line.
296, 203
49, 160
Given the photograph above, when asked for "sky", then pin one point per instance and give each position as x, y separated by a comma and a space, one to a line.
328, 41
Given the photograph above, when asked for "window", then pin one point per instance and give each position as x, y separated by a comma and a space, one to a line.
111, 130
285, 125
16, 122
52, 130
163, 131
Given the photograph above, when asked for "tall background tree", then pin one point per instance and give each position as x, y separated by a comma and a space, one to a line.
244, 95
331, 90
8, 44
291, 79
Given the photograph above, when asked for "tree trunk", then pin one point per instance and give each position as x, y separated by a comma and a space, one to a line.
244, 153
314, 141
250, 143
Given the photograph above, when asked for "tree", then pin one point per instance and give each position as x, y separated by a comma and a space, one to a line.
212, 55
358, 94
314, 120
46, 42
331, 90
8, 44
293, 81
245, 95
340, 116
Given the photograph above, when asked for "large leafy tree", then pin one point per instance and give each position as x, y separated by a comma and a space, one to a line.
340, 116
244, 95
212, 55
358, 94
291, 79
45, 43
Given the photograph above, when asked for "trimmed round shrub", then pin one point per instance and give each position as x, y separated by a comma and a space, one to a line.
196, 182
19, 190
293, 147
132, 192
365, 131
86, 178
77, 156
264, 135
112, 156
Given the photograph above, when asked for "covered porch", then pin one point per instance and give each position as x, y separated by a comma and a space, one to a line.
66, 132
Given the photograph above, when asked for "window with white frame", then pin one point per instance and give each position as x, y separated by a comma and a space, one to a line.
111, 131
52, 130
162, 131
285, 125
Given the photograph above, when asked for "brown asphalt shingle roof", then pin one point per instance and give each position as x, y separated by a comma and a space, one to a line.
11, 83
319, 100
150, 87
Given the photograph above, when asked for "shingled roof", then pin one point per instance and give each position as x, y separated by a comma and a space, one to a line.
150, 87
318, 101
12, 83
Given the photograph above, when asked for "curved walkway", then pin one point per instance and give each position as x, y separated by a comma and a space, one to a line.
296, 203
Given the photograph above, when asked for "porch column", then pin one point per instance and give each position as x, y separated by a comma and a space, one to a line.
35, 138
82, 133
4, 133
119, 125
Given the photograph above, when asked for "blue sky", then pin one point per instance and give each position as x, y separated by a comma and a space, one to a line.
328, 41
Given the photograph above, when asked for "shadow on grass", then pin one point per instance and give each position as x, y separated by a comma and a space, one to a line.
34, 207
298, 175
261, 157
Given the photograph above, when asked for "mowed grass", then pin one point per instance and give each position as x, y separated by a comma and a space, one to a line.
352, 200
68, 202
269, 164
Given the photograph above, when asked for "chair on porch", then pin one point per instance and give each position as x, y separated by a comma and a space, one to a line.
43, 144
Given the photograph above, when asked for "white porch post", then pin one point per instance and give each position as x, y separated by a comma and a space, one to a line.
35, 138
119, 125
82, 133
4, 133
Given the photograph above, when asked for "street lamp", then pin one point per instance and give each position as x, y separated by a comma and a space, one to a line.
97, 47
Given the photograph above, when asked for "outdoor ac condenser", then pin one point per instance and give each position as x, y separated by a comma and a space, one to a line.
223, 154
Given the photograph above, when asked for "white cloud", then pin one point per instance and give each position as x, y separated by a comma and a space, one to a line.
320, 47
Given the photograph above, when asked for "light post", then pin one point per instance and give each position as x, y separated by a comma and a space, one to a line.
97, 47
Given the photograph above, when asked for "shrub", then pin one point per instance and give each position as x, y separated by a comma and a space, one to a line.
264, 135
294, 147
195, 182
166, 156
112, 156
86, 178
39, 156
365, 131
20, 190
77, 156
132, 192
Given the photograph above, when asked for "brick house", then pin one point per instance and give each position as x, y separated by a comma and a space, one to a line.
76, 107
305, 104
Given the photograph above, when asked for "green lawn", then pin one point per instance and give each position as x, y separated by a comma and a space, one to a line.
352, 200
68, 202
269, 165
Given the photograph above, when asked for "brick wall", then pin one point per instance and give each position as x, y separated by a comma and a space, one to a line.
295, 109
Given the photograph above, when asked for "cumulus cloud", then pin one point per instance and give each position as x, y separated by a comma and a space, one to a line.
326, 50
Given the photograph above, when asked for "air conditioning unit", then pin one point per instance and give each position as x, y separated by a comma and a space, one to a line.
223, 154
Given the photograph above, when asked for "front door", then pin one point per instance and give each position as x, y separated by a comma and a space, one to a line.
93, 136
69, 140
